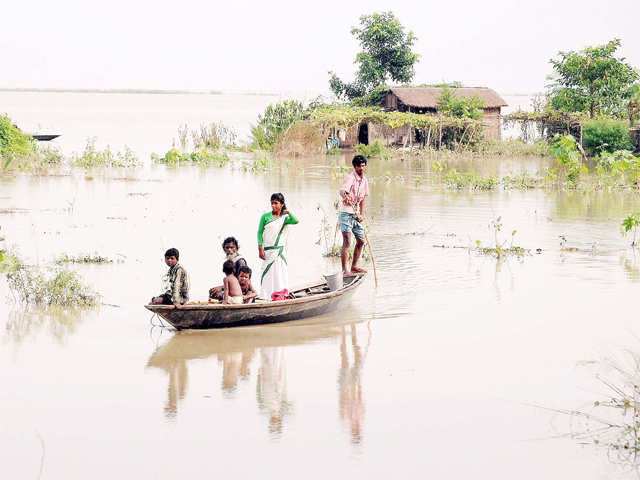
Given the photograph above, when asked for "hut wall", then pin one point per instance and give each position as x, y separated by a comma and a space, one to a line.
635, 135
350, 135
388, 136
491, 123
391, 102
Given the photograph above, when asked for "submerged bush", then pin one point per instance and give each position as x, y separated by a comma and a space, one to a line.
457, 180
13, 142
174, 158
276, 118
57, 286
92, 157
606, 134
374, 149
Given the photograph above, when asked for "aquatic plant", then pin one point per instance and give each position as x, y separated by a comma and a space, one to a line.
499, 250
92, 157
631, 224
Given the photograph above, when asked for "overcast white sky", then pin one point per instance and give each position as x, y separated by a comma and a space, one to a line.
290, 45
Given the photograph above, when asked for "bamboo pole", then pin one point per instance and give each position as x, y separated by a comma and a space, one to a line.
366, 238
335, 233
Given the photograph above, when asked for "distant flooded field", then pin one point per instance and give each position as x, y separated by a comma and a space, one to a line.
453, 367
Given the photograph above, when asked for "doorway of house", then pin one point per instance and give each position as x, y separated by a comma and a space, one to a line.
363, 134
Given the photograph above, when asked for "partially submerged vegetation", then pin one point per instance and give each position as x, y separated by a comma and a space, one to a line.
51, 286
205, 146
45, 286
86, 258
20, 152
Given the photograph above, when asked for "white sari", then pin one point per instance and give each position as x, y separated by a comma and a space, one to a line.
275, 276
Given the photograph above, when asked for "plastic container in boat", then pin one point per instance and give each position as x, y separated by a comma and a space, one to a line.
334, 282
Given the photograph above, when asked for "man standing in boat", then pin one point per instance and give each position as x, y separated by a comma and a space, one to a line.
355, 189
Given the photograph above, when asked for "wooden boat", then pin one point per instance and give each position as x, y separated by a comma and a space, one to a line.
308, 300
44, 138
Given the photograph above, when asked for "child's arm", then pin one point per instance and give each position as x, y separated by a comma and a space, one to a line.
251, 294
225, 298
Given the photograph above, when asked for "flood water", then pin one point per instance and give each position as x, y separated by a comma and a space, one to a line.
450, 368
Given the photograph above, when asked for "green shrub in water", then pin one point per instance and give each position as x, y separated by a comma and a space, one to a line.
12, 141
92, 157
57, 286
606, 135
374, 149
203, 157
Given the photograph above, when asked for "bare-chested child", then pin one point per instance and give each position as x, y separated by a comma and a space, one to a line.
230, 248
244, 277
232, 289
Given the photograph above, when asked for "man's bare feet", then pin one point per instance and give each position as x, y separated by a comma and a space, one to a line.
346, 273
358, 270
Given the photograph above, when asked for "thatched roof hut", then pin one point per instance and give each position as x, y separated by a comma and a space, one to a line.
425, 100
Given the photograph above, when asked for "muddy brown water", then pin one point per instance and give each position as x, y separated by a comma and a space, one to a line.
440, 370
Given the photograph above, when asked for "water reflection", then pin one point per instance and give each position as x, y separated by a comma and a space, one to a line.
60, 322
612, 421
271, 388
349, 382
238, 349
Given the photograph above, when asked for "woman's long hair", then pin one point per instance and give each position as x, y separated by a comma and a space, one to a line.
280, 198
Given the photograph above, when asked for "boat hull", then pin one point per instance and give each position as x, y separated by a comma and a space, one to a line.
223, 316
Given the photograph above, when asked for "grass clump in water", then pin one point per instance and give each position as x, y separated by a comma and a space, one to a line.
499, 250
64, 258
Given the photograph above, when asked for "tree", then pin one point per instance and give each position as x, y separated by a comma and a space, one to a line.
451, 105
276, 118
386, 55
592, 80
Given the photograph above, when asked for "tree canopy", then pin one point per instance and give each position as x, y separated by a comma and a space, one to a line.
592, 80
386, 55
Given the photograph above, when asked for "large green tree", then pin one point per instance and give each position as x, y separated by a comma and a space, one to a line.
592, 80
386, 56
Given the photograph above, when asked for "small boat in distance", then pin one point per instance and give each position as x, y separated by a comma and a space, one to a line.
44, 138
307, 301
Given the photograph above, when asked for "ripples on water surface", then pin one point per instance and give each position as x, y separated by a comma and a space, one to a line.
433, 373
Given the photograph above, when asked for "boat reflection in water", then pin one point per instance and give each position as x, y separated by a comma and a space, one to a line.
237, 349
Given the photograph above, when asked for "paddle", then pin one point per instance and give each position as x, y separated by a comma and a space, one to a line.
366, 238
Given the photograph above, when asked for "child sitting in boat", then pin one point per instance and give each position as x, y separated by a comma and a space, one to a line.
230, 248
232, 290
244, 277
177, 280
